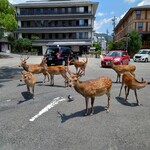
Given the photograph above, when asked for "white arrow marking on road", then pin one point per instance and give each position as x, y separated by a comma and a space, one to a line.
48, 107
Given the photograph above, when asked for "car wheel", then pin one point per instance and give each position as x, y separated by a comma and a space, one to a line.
146, 60
121, 63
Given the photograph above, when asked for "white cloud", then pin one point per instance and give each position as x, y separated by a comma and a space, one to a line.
144, 2
129, 1
100, 23
112, 12
100, 14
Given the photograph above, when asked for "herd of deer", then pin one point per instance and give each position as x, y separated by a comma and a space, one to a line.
88, 89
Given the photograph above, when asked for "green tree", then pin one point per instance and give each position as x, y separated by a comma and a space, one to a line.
134, 43
23, 44
7, 16
114, 45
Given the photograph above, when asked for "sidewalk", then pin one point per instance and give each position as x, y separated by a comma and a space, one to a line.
14, 60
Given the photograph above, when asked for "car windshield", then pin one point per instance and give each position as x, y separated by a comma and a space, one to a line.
113, 53
143, 52
52, 50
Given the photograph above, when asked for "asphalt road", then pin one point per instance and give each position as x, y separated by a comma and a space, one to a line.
51, 122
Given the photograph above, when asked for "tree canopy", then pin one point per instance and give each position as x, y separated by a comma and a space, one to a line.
134, 42
7, 16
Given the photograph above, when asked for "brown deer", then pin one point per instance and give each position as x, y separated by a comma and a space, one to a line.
29, 80
132, 83
33, 68
81, 64
91, 88
56, 70
120, 69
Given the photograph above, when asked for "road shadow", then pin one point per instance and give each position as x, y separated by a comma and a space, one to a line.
27, 96
10, 73
58, 86
65, 117
124, 102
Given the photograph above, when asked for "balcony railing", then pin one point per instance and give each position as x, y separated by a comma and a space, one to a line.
146, 44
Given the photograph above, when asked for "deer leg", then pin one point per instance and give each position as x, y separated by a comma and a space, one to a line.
92, 103
45, 74
52, 79
33, 92
28, 89
108, 103
127, 90
136, 97
66, 78
121, 89
86, 103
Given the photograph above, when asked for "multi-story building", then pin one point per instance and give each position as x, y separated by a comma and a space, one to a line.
138, 19
61, 22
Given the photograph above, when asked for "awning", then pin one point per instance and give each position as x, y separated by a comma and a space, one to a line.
69, 43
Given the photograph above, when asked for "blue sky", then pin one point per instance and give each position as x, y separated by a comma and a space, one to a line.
106, 11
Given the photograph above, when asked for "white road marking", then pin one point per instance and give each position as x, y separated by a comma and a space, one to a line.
48, 107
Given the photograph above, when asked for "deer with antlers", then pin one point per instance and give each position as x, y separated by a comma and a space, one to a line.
81, 64
90, 88
29, 80
56, 70
132, 83
33, 68
120, 69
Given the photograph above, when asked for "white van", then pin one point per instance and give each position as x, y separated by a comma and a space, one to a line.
143, 55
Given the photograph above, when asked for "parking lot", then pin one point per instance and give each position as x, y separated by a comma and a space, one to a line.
52, 122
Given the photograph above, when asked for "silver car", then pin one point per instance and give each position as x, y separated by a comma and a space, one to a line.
143, 55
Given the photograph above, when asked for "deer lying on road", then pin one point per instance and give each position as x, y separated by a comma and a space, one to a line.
132, 83
56, 70
29, 80
81, 64
33, 68
120, 69
91, 88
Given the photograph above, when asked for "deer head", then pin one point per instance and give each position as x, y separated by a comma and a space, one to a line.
23, 61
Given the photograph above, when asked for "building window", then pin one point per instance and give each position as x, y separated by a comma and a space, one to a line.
138, 14
81, 22
80, 9
140, 24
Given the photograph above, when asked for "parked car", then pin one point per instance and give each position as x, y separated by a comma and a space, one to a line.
143, 55
119, 57
58, 55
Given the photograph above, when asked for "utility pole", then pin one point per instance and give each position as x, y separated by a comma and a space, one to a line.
114, 24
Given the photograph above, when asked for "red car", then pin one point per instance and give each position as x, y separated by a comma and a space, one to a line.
119, 57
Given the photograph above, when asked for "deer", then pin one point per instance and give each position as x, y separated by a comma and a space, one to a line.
81, 64
120, 69
132, 83
56, 70
33, 68
29, 80
90, 88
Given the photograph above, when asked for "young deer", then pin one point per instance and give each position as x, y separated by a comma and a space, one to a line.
29, 80
91, 88
33, 68
132, 83
81, 64
56, 70
120, 69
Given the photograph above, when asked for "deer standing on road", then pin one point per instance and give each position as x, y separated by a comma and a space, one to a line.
81, 64
29, 80
91, 88
56, 70
33, 68
132, 83
120, 69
